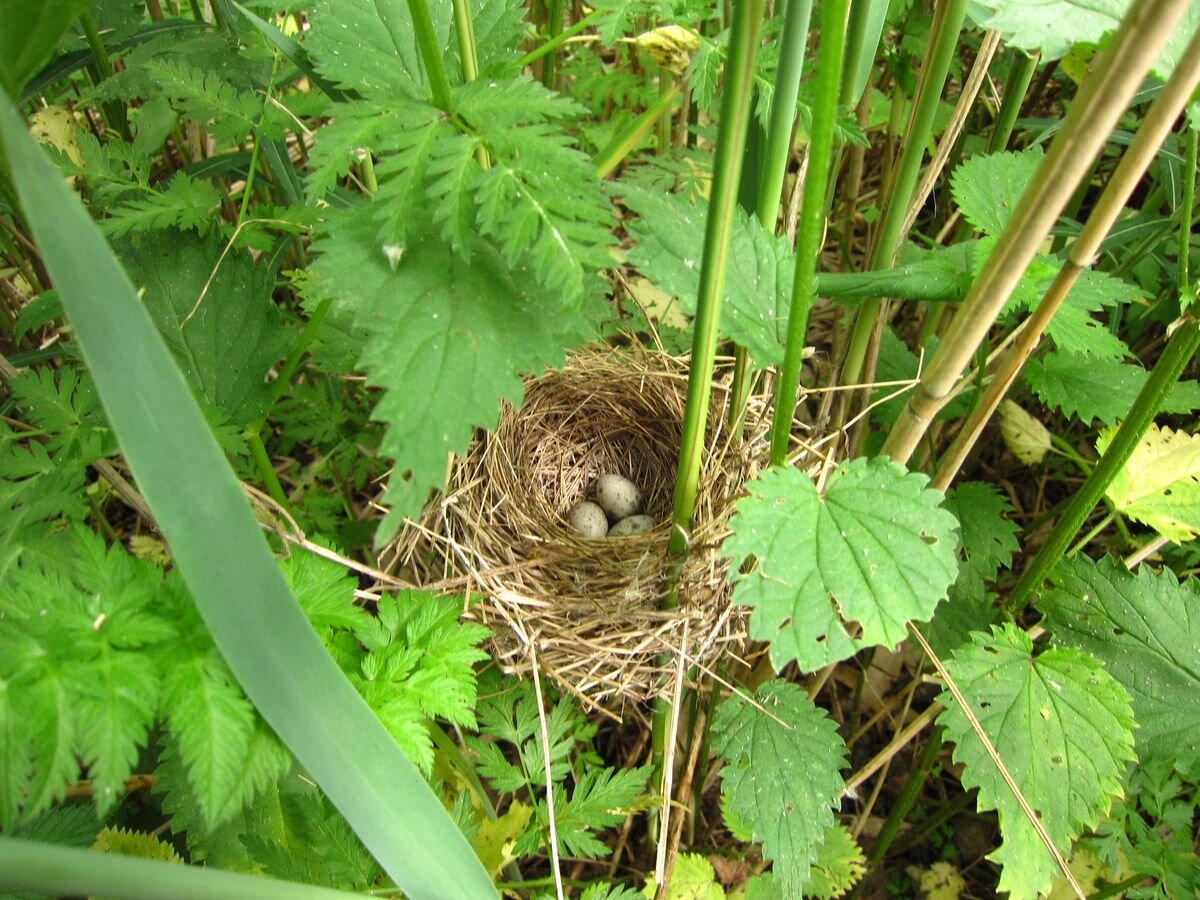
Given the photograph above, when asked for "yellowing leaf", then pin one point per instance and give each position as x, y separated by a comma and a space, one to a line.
671, 46
495, 840
1024, 435
693, 878
941, 881
1158, 485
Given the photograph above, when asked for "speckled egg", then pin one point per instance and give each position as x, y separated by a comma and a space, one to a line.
619, 496
631, 525
588, 519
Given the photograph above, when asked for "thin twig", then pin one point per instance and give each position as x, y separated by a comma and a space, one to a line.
537, 690
661, 871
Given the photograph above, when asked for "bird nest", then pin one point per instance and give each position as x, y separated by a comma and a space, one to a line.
589, 608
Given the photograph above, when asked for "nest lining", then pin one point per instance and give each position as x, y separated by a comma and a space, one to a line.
590, 604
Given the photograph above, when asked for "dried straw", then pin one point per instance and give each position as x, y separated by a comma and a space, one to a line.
591, 605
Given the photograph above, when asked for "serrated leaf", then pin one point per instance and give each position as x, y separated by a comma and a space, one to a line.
448, 341
127, 842
987, 187
63, 402
876, 550
357, 128
214, 310
1092, 388
1063, 728
324, 589
988, 535
1145, 628
600, 799
1159, 485
838, 867
693, 878
1026, 438
781, 775
1052, 27
186, 204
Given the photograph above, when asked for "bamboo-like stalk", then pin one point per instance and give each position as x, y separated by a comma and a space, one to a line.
811, 231
940, 53
1154, 130
1101, 100
1179, 351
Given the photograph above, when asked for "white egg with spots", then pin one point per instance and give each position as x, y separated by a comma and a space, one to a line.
588, 519
631, 525
618, 495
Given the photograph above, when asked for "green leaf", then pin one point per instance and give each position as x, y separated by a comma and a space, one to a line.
1090, 388
600, 799
185, 204
63, 402
31, 31
134, 843
841, 572
1064, 729
693, 878
988, 536
325, 590
214, 310
1143, 627
987, 187
1159, 485
782, 774
448, 340
838, 867
1052, 27
221, 553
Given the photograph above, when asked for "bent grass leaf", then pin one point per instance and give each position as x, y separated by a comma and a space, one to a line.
1159, 484
1145, 628
849, 570
448, 341
782, 775
1063, 728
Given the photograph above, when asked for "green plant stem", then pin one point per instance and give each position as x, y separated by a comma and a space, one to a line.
776, 150
559, 39
863, 32
114, 112
262, 461
1183, 277
554, 25
943, 48
427, 43
464, 28
909, 795
666, 87
1020, 74
56, 870
622, 145
731, 139
1179, 351
811, 227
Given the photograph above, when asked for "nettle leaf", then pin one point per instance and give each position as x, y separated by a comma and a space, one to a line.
1064, 729
1053, 27
447, 339
1145, 628
987, 187
214, 310
1091, 388
848, 570
352, 46
989, 537
669, 247
782, 774
1159, 485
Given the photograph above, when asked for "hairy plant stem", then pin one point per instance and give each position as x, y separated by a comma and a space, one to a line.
1020, 74
942, 49
1100, 102
1179, 351
811, 229
427, 43
776, 150
735, 114
1183, 275
1141, 152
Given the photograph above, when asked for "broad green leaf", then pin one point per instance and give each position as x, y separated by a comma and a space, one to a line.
1092, 388
1052, 27
987, 188
1026, 438
988, 535
215, 312
1063, 728
693, 878
448, 341
222, 555
1145, 628
31, 31
782, 774
351, 45
1159, 484
837, 573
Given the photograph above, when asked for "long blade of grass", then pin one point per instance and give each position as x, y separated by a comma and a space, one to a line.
47, 869
246, 604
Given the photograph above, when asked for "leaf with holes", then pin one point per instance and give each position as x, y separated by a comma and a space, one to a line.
1062, 726
1159, 485
849, 570
1145, 628
782, 774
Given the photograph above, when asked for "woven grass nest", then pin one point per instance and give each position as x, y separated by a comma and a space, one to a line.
590, 607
